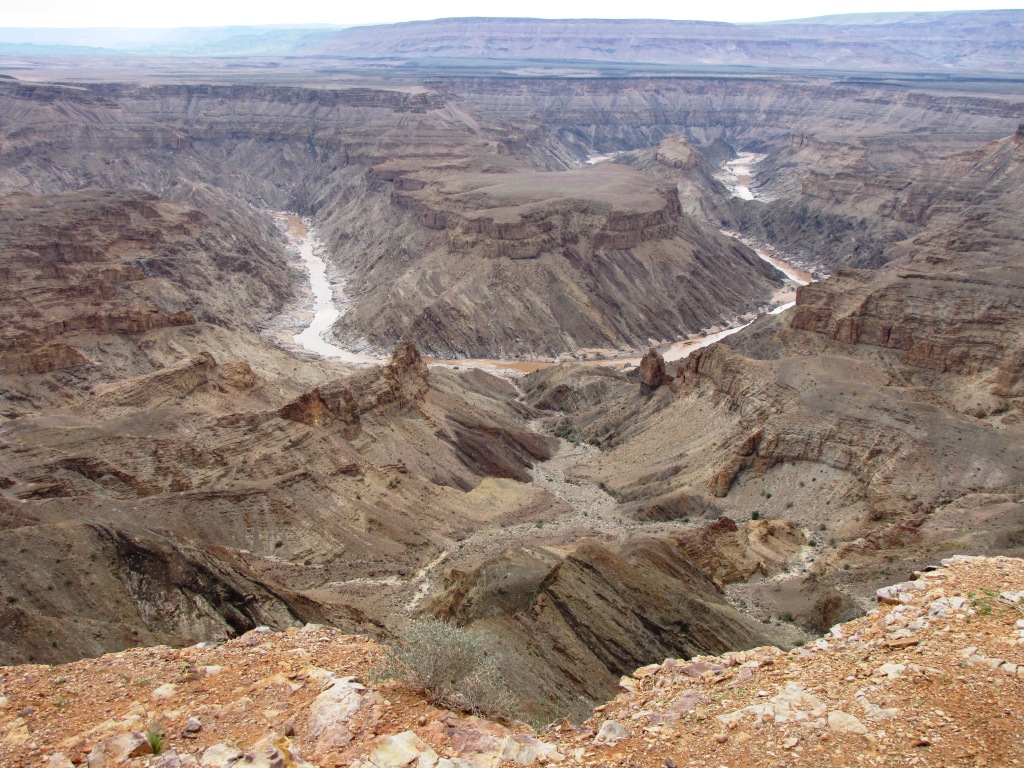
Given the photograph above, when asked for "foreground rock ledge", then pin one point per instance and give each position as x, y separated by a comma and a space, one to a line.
936, 672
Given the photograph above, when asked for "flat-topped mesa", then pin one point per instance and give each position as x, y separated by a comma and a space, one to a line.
523, 214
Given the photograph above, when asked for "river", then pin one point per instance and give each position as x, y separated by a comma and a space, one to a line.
738, 173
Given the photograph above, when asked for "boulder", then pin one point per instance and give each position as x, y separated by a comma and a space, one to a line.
117, 749
843, 722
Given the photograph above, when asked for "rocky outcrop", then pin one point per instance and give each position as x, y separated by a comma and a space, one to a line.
731, 553
947, 322
171, 383
400, 385
653, 373
52, 357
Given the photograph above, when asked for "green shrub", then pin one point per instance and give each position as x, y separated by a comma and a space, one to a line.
155, 737
453, 667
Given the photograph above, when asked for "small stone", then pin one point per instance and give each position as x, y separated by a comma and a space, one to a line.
59, 760
791, 742
627, 684
903, 642
647, 671
843, 722
168, 759
610, 733
193, 725
721, 738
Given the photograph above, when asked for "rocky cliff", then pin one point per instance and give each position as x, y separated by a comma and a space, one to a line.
83, 269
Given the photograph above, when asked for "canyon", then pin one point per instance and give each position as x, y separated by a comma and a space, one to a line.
360, 346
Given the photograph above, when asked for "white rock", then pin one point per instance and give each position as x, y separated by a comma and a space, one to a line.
330, 713
890, 671
165, 691
842, 722
611, 733
59, 760
876, 712
219, 756
792, 704
401, 750
210, 670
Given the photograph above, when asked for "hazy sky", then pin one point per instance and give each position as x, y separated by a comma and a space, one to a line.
178, 13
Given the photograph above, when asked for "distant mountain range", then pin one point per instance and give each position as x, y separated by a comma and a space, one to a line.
959, 41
